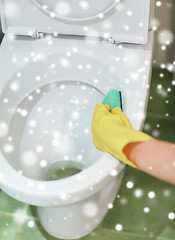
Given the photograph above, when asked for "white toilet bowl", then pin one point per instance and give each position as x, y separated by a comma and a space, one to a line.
71, 207
48, 139
49, 88
33, 146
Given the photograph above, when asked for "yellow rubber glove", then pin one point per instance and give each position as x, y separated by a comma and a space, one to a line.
111, 132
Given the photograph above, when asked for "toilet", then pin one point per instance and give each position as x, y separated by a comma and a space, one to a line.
58, 60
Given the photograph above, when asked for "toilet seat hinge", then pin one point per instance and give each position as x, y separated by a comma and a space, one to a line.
25, 32
35, 34
110, 41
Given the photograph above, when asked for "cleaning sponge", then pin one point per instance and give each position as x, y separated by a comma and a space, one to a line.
113, 98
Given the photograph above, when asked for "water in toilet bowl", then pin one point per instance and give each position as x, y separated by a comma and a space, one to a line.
62, 169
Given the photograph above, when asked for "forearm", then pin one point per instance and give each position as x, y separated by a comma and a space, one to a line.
113, 133
154, 157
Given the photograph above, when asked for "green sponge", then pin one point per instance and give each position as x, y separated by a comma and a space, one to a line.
113, 98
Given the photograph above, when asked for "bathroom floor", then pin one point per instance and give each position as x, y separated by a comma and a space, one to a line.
144, 208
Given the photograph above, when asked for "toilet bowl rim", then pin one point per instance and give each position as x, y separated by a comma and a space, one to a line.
59, 192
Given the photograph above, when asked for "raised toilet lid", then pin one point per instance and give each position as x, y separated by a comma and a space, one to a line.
123, 20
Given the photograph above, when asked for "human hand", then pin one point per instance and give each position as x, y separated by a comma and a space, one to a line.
111, 132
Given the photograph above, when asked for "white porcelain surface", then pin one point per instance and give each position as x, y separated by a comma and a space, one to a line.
57, 127
76, 10
126, 20
78, 219
33, 82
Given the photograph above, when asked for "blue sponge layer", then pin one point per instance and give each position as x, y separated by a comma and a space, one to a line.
113, 98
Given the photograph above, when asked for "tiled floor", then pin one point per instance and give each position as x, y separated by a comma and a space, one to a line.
141, 217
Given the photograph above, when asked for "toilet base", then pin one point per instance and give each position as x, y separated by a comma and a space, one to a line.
81, 218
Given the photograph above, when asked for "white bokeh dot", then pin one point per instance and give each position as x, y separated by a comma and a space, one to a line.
146, 210
31, 224
90, 210
171, 216
64, 62
43, 163
3, 129
63, 8
129, 13
29, 158
138, 193
130, 184
41, 186
55, 142
158, 3
165, 37
39, 148
8, 148
110, 205
32, 123
159, 86
23, 112
151, 195
30, 184
119, 227
113, 172
14, 86
84, 5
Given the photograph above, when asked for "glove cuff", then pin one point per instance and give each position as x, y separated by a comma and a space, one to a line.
142, 137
